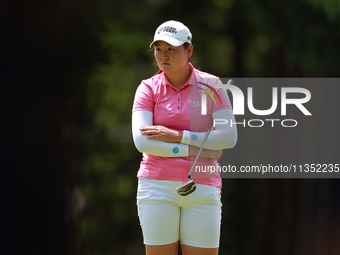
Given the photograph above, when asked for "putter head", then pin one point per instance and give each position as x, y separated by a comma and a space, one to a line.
187, 188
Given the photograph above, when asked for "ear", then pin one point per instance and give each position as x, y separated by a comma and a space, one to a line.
190, 50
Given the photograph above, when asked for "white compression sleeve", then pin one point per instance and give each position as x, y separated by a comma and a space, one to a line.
223, 137
154, 147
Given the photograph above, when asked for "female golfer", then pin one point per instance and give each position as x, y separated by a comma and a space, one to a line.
171, 114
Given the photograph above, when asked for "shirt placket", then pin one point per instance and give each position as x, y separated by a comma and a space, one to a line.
179, 102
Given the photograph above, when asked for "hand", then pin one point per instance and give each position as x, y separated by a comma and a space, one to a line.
211, 155
162, 133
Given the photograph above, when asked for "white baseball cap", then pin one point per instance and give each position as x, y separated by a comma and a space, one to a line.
173, 32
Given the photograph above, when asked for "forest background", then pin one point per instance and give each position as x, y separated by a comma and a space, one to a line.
69, 70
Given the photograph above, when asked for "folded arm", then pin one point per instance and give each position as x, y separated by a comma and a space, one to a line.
154, 147
223, 137
170, 148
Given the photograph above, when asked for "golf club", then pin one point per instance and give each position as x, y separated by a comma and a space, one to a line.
190, 186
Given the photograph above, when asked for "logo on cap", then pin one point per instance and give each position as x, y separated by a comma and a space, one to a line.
167, 29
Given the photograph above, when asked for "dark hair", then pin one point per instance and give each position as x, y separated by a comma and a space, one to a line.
186, 46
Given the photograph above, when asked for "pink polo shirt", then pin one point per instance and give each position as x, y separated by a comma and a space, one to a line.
179, 109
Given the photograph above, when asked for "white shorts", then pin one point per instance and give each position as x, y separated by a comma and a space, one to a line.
167, 217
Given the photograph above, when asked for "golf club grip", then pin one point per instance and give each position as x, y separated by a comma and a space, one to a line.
199, 152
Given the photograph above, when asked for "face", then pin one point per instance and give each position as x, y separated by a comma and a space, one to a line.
171, 59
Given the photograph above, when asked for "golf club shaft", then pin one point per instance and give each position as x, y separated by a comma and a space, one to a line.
199, 152
230, 81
